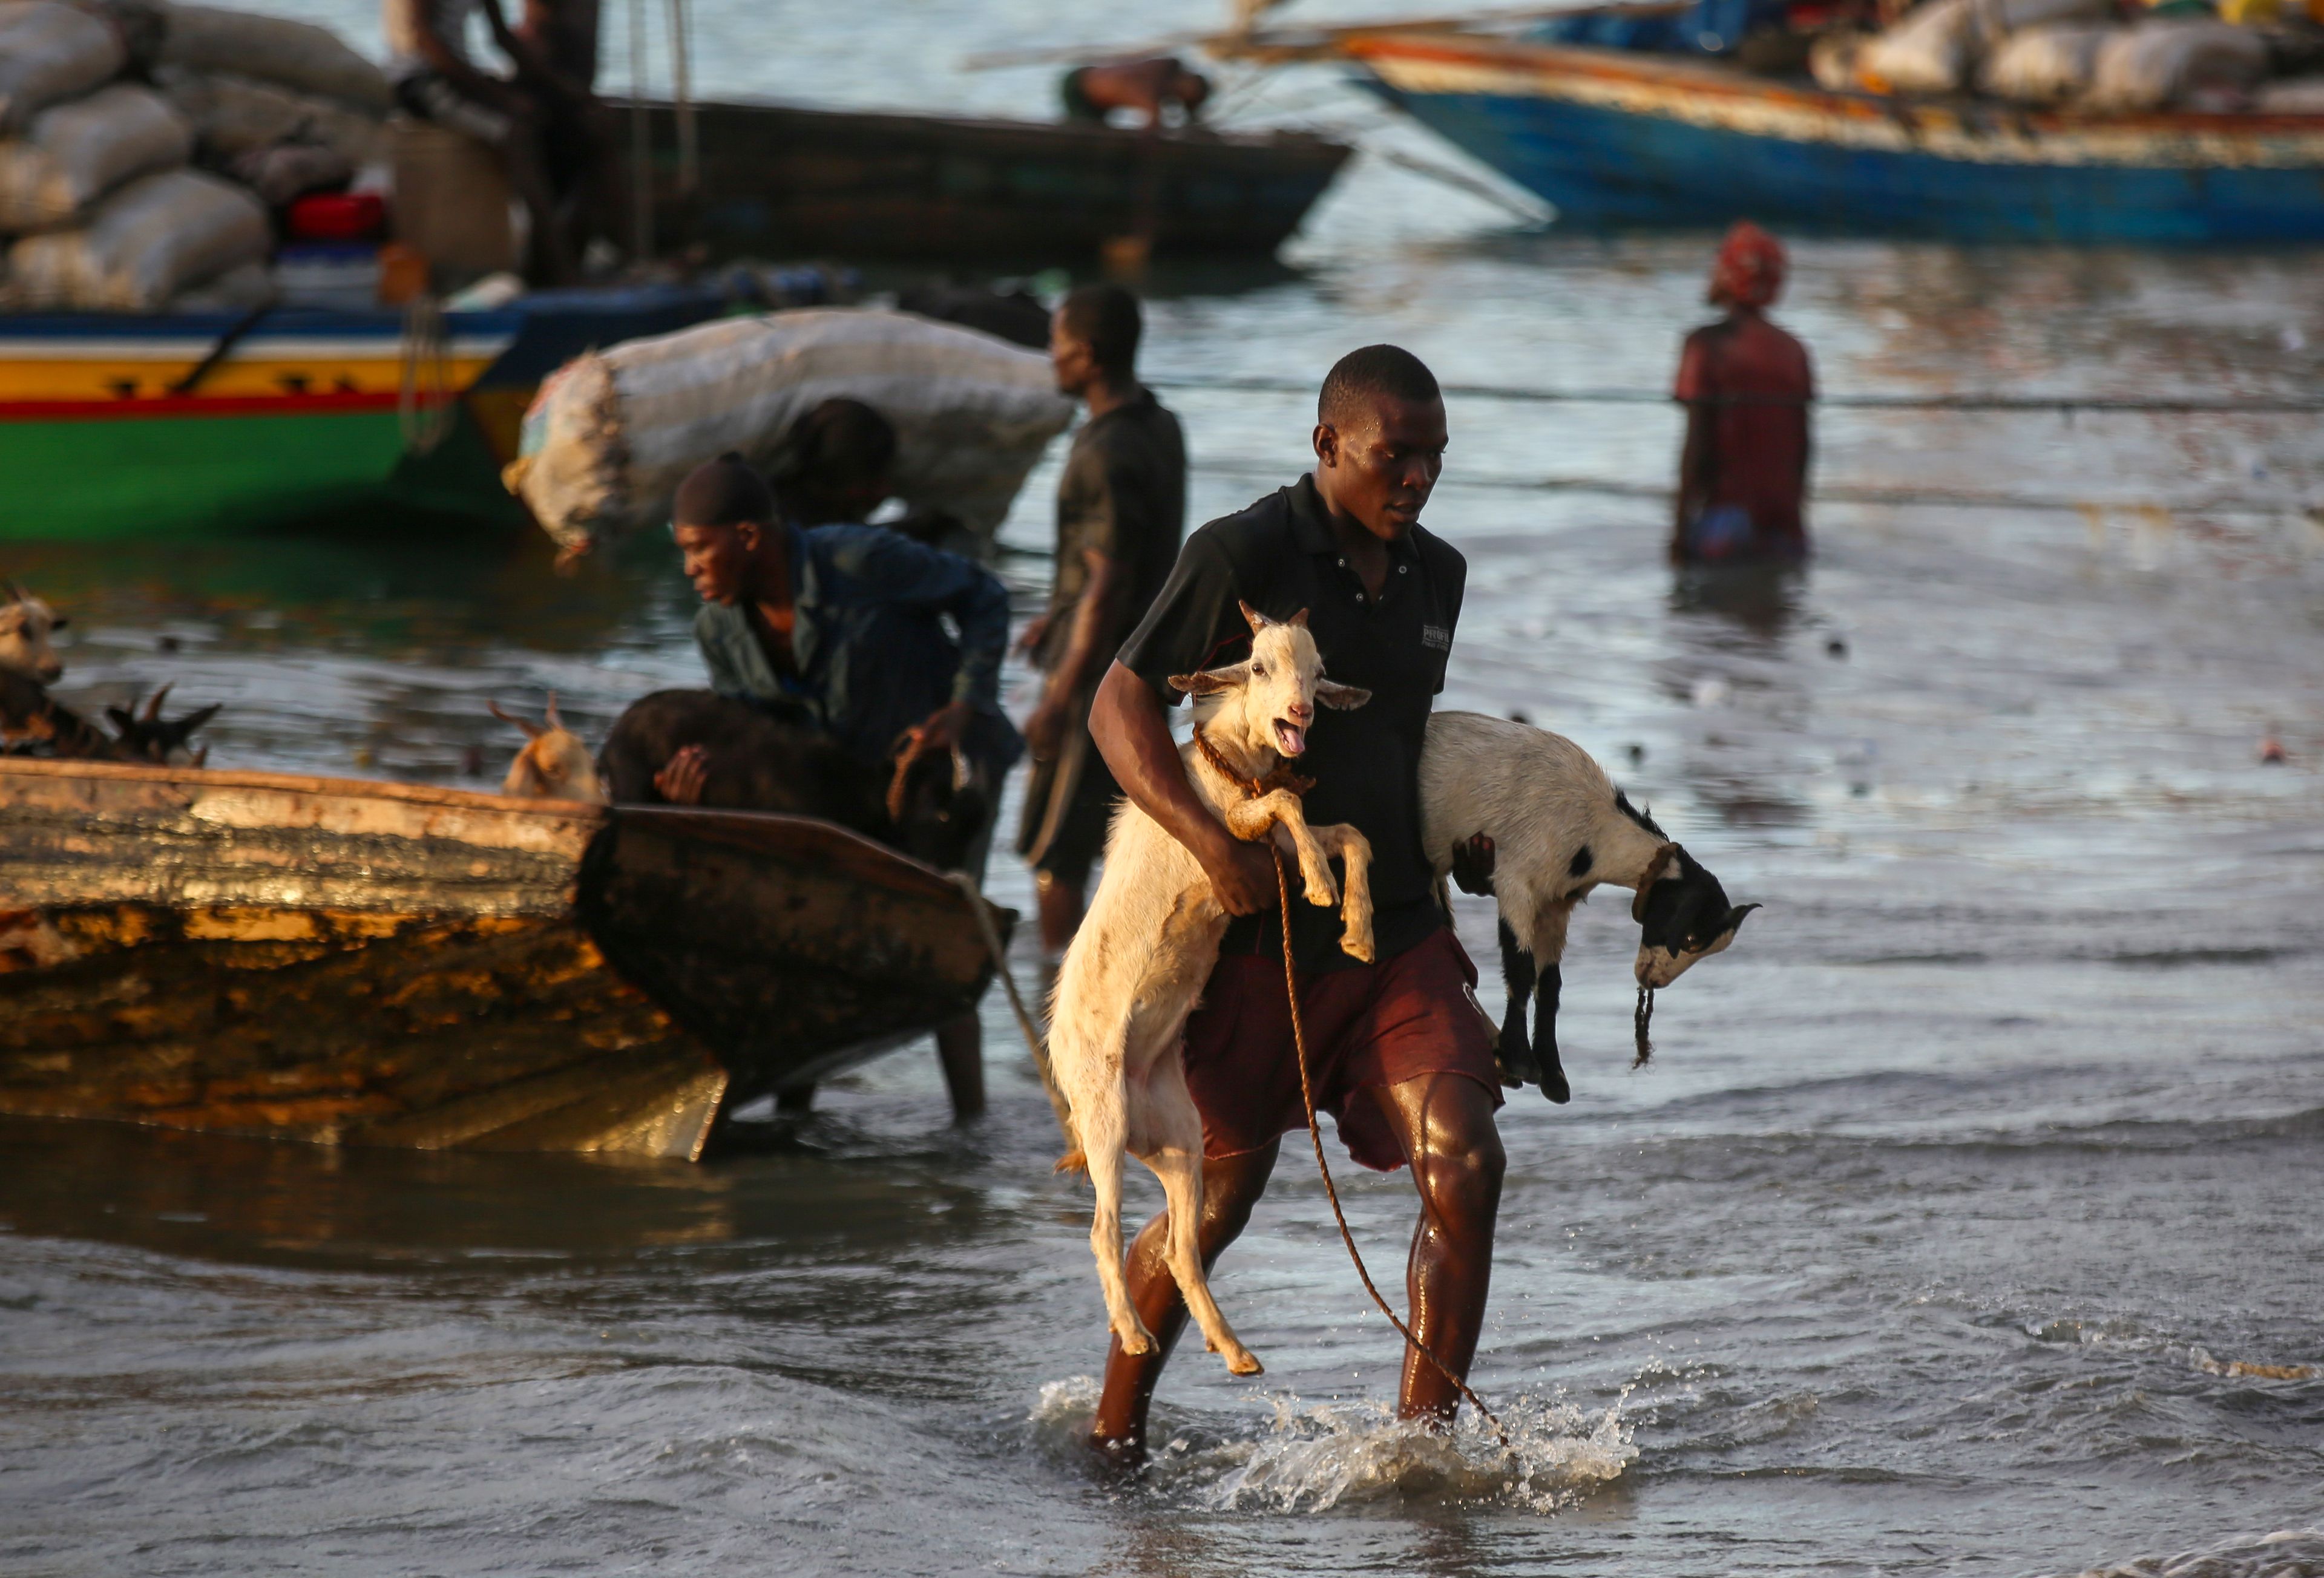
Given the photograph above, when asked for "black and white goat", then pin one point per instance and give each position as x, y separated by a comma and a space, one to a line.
1558, 828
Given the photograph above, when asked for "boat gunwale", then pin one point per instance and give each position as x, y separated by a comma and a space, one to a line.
1594, 62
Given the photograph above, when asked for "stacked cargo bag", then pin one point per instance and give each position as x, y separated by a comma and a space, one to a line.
1938, 48
2044, 65
249, 82
612, 434
71, 155
156, 237
2166, 62
50, 53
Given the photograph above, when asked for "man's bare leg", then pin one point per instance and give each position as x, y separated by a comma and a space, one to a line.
1230, 1188
1444, 1124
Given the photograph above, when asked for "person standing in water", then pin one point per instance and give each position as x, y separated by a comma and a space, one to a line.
1122, 513
1399, 1054
1746, 385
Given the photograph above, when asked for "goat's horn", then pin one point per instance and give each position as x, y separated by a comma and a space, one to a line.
551, 714
1257, 621
1663, 858
959, 768
153, 707
896, 789
531, 730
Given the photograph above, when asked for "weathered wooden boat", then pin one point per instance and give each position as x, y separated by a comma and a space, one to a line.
1634, 136
118, 424
776, 181
385, 964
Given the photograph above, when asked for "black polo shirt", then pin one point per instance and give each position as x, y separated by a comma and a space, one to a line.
1279, 556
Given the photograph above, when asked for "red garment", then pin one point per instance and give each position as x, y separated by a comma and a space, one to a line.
1375, 1024
1758, 442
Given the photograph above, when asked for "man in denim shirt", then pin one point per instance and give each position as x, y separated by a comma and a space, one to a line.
846, 621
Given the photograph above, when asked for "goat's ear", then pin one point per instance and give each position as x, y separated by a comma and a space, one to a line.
531, 730
197, 717
1735, 917
1298, 621
1251, 616
1654, 870
1346, 698
122, 720
1208, 683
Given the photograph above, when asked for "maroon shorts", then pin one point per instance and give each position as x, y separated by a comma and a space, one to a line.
1371, 1025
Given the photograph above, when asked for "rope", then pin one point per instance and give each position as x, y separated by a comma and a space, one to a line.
425, 415
1315, 1136
982, 907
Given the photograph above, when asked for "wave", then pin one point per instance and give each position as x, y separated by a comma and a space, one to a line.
1312, 1457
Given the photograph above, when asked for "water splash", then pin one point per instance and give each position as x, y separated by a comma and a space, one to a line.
2286, 1553
1311, 1457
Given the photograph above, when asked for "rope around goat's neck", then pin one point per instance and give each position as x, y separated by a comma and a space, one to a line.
1315, 1136
1283, 777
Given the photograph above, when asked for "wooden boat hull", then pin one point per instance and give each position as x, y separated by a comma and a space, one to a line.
780, 181
393, 964
309, 412
1613, 138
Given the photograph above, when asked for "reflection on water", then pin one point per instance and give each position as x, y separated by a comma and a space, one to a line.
1964, 1222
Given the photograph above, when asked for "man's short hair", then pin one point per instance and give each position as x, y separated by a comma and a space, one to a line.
841, 443
1374, 373
1106, 318
725, 492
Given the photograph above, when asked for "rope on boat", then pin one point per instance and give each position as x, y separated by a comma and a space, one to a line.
425, 414
1330, 1191
2179, 405
981, 908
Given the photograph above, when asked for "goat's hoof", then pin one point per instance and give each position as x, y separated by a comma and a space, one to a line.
1137, 1340
1243, 1361
1358, 948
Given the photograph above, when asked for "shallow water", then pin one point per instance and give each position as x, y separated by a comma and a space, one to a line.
1933, 1240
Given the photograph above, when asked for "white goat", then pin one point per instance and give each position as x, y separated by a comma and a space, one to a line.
553, 764
25, 624
1559, 828
1138, 962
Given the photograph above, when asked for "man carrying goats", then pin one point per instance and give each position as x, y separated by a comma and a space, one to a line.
1397, 1053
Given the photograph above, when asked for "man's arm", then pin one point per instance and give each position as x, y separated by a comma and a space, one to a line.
1093, 615
449, 59
1694, 458
1127, 723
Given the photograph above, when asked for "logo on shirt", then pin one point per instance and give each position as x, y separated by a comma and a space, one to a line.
1436, 638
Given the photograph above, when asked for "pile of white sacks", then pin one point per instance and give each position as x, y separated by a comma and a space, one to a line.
106, 106
2046, 52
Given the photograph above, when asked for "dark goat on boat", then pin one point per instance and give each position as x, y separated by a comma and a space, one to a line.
772, 758
33, 722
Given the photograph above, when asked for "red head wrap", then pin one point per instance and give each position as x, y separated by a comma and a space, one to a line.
1750, 268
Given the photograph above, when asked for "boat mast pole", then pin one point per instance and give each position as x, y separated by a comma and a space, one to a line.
641, 142
681, 94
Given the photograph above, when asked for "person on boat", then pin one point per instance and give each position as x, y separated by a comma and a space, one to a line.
437, 80
1122, 514
1747, 386
1398, 1053
845, 620
1152, 88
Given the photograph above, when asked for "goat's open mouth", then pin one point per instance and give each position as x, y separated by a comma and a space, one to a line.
1289, 737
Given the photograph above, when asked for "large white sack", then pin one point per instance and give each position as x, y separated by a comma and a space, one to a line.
610, 435
2044, 65
2294, 96
75, 152
157, 236
1936, 47
2153, 64
296, 55
235, 115
48, 53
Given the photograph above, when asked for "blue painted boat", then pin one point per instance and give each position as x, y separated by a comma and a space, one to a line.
1616, 137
